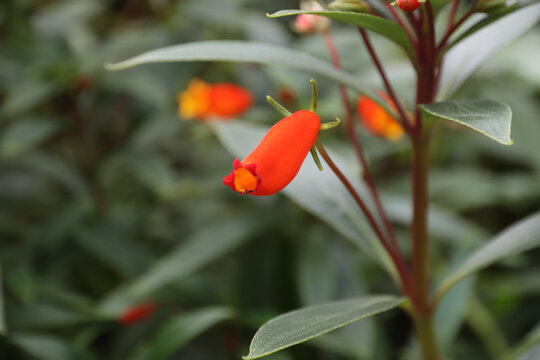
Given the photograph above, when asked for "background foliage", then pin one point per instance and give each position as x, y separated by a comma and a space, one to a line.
108, 200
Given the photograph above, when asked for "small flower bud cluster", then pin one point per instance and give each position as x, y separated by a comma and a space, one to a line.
311, 23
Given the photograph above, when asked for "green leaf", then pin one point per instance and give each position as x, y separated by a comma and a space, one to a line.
44, 347
491, 118
384, 27
23, 135
319, 192
3, 327
467, 56
192, 254
244, 51
518, 238
179, 330
304, 324
528, 349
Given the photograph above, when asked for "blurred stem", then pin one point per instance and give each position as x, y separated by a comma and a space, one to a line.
395, 255
426, 336
349, 120
389, 89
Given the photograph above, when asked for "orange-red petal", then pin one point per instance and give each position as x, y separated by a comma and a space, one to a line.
376, 120
277, 159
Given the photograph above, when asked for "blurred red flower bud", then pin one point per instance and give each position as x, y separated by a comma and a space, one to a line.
286, 94
277, 159
137, 313
376, 120
407, 5
222, 100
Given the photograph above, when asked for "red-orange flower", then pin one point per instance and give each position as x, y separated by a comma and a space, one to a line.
137, 313
376, 120
201, 100
408, 5
277, 159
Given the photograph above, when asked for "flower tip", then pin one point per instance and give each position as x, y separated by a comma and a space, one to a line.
137, 313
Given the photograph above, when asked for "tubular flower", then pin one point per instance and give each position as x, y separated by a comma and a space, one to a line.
223, 100
408, 5
277, 159
137, 313
376, 120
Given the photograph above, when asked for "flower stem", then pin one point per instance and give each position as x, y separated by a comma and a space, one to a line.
366, 174
395, 255
426, 336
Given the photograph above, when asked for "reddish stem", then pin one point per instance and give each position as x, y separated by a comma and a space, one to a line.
404, 118
452, 29
366, 174
395, 255
410, 34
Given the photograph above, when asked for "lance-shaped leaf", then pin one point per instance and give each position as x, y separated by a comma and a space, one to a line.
491, 118
519, 237
384, 27
255, 52
301, 325
467, 56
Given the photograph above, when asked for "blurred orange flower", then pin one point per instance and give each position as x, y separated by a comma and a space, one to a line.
137, 313
277, 159
201, 100
376, 120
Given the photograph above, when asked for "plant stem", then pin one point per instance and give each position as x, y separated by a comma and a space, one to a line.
395, 255
426, 336
404, 118
366, 174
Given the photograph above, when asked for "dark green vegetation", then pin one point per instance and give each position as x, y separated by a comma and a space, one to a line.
107, 199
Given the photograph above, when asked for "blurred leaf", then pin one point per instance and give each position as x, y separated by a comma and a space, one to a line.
26, 94
528, 348
316, 273
522, 236
23, 135
3, 327
182, 328
304, 324
488, 117
464, 58
43, 316
386, 28
255, 52
319, 192
205, 246
53, 166
481, 321
451, 311
45, 347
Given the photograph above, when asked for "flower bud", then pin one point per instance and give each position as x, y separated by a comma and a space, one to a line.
137, 313
311, 23
408, 5
223, 100
350, 5
376, 120
277, 159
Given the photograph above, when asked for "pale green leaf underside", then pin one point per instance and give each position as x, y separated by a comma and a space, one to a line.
519, 237
300, 325
384, 27
255, 52
491, 118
